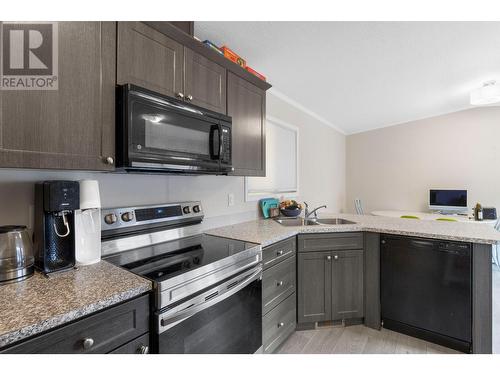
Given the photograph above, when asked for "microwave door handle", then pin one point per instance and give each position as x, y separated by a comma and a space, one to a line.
213, 155
178, 317
220, 142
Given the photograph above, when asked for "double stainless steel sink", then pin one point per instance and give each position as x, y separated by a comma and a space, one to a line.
298, 221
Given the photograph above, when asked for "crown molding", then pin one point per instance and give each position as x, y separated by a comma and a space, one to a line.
301, 108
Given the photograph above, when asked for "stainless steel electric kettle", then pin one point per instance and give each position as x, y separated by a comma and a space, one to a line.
16, 254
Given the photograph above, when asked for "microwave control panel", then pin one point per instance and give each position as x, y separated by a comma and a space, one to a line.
226, 145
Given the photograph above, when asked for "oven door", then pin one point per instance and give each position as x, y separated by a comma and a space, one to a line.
224, 319
167, 134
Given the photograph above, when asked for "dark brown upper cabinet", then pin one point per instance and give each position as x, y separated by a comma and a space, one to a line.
156, 62
72, 127
150, 59
246, 104
159, 57
204, 82
185, 26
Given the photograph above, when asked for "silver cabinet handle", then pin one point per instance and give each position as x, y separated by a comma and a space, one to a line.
143, 349
180, 95
329, 257
279, 283
87, 343
336, 257
109, 160
189, 98
280, 324
279, 253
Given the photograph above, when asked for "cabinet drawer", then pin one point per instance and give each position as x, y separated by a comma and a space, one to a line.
108, 330
278, 324
279, 251
330, 241
278, 282
138, 346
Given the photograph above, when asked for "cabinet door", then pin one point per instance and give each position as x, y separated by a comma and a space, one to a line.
315, 281
149, 59
138, 346
347, 284
98, 333
246, 104
204, 81
72, 127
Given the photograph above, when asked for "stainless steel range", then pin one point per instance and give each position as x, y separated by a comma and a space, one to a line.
207, 289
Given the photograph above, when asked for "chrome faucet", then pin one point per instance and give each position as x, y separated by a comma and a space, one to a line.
308, 213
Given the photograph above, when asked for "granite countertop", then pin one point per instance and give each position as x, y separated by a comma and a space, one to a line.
266, 231
41, 303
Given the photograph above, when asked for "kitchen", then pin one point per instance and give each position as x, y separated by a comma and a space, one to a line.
166, 163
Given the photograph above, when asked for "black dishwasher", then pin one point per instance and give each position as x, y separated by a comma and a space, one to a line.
426, 289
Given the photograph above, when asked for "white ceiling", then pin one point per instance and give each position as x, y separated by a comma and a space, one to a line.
358, 76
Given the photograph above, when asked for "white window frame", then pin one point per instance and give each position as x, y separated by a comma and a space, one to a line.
251, 197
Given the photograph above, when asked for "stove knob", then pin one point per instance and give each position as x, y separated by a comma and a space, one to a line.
186, 210
127, 216
110, 219
196, 208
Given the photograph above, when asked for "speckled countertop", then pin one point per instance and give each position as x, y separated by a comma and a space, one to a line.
41, 303
266, 232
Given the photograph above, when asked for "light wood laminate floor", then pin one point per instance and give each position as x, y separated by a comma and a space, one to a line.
357, 339
360, 339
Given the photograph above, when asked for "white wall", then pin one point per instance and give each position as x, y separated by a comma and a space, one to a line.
320, 180
322, 156
394, 167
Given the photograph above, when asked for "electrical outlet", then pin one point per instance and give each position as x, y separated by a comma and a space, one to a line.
230, 199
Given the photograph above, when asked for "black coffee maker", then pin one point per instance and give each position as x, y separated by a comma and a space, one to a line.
54, 236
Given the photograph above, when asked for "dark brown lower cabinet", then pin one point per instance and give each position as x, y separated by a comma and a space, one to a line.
123, 328
315, 287
347, 284
279, 312
138, 346
330, 283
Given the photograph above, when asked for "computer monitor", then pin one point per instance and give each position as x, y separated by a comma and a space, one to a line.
447, 200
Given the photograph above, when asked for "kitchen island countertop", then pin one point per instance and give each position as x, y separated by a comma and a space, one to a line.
43, 302
268, 231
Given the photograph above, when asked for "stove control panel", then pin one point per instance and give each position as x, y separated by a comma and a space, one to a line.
128, 216
157, 215
110, 219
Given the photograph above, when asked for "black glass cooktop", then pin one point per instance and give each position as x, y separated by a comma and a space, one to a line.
168, 259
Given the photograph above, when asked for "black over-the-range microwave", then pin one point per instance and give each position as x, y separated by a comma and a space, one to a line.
159, 134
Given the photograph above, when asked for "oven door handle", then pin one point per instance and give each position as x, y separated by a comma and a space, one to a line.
166, 320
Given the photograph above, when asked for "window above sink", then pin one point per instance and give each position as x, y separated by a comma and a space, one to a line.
282, 144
